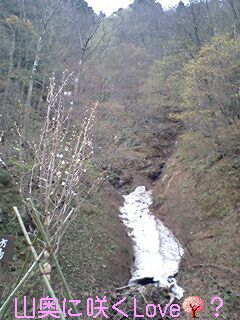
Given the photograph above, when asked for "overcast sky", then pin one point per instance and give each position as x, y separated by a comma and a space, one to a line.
109, 6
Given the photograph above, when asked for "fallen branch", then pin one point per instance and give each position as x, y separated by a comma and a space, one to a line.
126, 287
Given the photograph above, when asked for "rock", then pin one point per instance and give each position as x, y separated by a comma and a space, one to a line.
144, 281
152, 295
127, 178
155, 172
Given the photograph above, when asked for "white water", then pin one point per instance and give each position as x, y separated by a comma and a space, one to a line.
157, 252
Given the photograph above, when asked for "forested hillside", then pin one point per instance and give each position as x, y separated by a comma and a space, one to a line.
93, 106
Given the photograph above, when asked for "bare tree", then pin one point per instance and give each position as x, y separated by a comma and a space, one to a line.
61, 159
49, 14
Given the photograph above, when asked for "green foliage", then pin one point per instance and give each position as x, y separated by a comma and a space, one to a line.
159, 200
5, 178
149, 69
42, 34
212, 81
210, 109
113, 177
162, 87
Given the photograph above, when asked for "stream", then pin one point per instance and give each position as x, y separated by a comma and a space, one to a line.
157, 253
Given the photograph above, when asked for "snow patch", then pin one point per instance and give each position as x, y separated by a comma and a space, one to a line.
157, 252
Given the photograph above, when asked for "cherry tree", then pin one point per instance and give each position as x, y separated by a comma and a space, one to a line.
193, 305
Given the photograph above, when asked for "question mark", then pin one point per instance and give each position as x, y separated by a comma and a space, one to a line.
219, 306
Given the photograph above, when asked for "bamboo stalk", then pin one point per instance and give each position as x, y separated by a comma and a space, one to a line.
45, 279
24, 265
39, 224
18, 286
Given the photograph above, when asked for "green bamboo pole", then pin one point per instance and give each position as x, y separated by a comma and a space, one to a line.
40, 226
29, 242
24, 265
18, 286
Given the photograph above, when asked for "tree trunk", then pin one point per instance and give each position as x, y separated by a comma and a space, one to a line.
194, 314
10, 69
236, 19
4, 120
31, 83
34, 71
236, 31
42, 91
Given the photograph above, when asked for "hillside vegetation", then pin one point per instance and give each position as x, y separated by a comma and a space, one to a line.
91, 106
